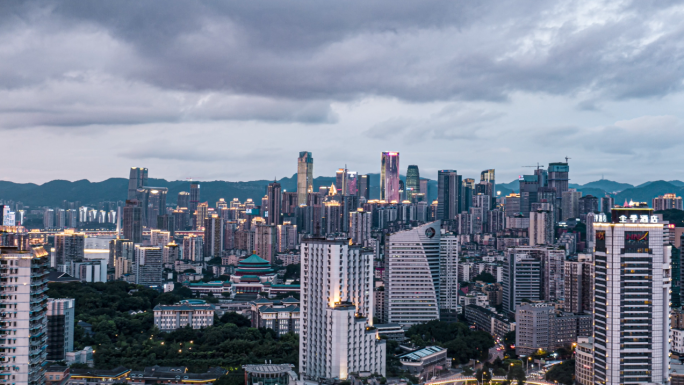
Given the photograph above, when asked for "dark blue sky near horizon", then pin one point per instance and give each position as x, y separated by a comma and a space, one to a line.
234, 90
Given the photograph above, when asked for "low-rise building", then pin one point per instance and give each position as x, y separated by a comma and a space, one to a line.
57, 375
270, 374
282, 316
84, 356
677, 345
426, 362
540, 326
195, 313
91, 376
173, 375
215, 288
488, 320
289, 258
393, 332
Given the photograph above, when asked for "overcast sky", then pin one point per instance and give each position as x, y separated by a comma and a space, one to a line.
234, 90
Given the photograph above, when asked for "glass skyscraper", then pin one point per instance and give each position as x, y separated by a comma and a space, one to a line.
389, 177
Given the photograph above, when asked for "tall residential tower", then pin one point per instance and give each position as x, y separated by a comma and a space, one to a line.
304, 176
389, 177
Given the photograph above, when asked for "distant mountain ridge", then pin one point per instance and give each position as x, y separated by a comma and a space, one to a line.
53, 193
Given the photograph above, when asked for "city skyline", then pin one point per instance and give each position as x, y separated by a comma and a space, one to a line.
462, 87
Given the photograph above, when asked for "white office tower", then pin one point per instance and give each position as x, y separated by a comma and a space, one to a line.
416, 272
336, 319
631, 298
148, 266
448, 277
360, 226
24, 315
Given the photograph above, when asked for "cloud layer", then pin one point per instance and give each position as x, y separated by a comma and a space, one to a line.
460, 79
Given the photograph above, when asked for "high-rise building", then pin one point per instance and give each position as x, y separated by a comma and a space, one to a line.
274, 204
389, 177
570, 204
24, 274
213, 236
136, 179
532, 273
60, 327
579, 285
201, 213
120, 248
69, 247
541, 230
49, 219
558, 179
540, 326
416, 266
194, 197
289, 203
286, 237
448, 194
588, 204
412, 181
183, 199
266, 242
607, 204
304, 176
363, 187
132, 221
148, 266
336, 335
631, 298
360, 226
171, 253
667, 202
193, 248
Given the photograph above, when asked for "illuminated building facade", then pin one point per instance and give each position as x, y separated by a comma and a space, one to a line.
667, 202
389, 177
24, 274
631, 298
412, 181
337, 336
304, 176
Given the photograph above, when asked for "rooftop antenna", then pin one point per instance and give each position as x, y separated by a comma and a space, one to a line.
566, 159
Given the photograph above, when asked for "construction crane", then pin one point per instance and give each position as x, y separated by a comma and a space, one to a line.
566, 159
538, 166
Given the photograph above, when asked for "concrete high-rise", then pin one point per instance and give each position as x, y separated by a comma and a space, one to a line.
449, 185
360, 226
304, 176
418, 267
266, 242
133, 221
60, 327
136, 179
148, 266
24, 274
631, 298
570, 204
183, 199
541, 225
389, 177
69, 247
667, 202
213, 236
579, 285
194, 197
336, 337
274, 204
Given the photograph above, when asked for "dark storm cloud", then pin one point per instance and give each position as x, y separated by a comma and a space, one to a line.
415, 51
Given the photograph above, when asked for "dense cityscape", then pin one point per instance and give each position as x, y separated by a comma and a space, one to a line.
412, 281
